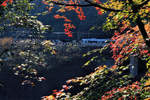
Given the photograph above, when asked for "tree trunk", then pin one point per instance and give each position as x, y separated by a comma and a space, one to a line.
143, 31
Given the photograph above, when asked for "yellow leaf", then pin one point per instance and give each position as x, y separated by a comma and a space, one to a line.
147, 82
61, 10
147, 99
51, 97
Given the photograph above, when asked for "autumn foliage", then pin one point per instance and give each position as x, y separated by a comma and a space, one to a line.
5, 3
123, 17
129, 19
129, 43
68, 24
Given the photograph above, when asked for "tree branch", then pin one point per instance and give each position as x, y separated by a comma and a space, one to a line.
131, 2
65, 4
144, 3
146, 86
139, 22
143, 31
102, 7
87, 5
137, 7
